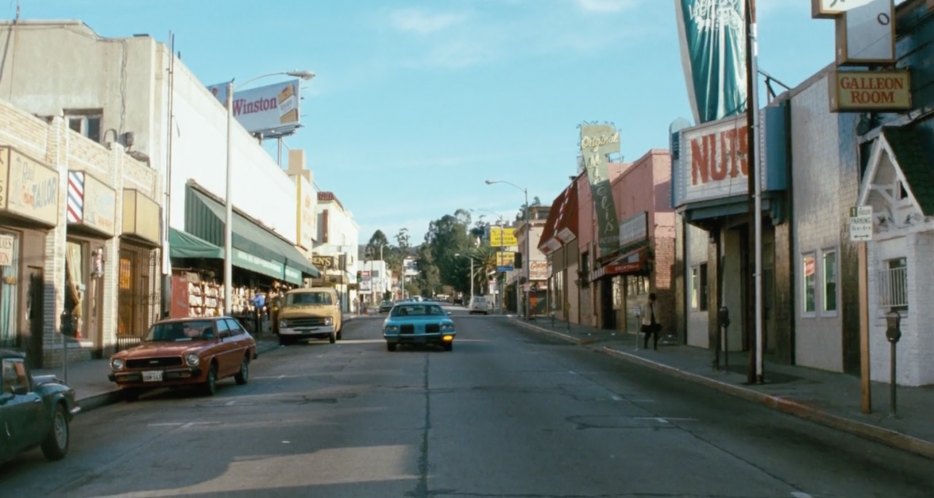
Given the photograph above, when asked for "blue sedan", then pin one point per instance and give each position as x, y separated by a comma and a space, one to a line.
418, 323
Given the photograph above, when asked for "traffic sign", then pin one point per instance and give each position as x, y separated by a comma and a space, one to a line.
861, 224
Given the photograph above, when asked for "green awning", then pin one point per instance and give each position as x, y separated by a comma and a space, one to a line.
186, 245
254, 247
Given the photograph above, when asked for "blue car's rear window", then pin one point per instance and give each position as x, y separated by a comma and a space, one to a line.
417, 310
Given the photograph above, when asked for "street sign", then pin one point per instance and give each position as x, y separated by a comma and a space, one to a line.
861, 224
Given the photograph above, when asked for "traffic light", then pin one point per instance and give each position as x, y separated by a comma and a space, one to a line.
517, 261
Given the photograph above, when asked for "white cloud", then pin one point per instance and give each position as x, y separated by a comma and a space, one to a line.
423, 23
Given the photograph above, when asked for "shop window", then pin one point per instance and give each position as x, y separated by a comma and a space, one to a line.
829, 281
808, 284
893, 284
617, 293
636, 285
699, 287
9, 278
557, 302
87, 123
75, 285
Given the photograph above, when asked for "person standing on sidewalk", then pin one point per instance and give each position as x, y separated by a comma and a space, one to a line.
650, 326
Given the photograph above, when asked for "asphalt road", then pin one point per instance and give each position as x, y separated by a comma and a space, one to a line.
508, 413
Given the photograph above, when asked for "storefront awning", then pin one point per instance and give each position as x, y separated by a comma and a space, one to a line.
633, 262
254, 247
186, 245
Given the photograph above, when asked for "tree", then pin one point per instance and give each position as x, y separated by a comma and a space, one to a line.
376, 245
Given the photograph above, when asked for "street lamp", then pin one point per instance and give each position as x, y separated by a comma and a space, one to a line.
471, 272
228, 203
528, 235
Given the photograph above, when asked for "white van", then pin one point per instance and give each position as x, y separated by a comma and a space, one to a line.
480, 304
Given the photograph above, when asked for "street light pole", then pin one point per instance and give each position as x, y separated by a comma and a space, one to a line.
228, 209
525, 219
228, 202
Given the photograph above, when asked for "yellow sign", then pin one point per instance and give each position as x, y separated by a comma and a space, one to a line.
503, 237
870, 91
505, 258
29, 187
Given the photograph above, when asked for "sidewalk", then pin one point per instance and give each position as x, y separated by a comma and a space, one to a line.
831, 399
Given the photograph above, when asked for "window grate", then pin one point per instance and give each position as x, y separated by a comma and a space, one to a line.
893, 287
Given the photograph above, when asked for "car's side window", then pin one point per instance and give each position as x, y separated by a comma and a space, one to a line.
233, 326
223, 328
14, 374
7, 376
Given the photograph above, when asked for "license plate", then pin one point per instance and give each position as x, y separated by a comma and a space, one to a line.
152, 376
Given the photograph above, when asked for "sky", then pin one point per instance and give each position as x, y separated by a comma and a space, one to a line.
416, 102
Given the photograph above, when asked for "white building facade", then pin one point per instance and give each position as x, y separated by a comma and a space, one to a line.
133, 94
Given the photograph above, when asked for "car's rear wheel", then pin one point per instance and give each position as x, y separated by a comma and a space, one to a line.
210, 384
243, 376
390, 346
55, 445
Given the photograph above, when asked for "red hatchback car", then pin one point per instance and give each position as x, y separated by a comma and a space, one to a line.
186, 352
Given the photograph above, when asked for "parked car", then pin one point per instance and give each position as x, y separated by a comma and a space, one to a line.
480, 304
310, 313
197, 351
34, 411
385, 305
418, 323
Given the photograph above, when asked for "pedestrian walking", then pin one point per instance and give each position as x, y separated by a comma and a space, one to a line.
259, 308
650, 326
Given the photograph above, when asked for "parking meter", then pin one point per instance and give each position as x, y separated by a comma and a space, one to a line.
894, 330
68, 326
893, 333
723, 322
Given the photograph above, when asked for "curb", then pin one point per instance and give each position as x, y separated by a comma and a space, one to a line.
788, 406
112, 396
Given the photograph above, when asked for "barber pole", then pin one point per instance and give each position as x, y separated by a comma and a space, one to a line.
75, 211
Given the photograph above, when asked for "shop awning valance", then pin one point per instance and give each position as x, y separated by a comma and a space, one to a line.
254, 247
186, 245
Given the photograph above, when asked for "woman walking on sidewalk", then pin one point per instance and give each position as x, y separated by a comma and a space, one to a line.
649, 325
